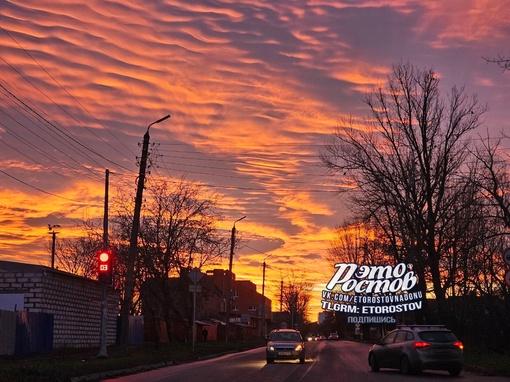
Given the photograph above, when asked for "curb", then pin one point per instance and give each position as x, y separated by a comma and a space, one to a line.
116, 373
139, 369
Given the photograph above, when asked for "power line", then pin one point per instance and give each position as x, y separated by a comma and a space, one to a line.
33, 160
255, 189
38, 149
71, 139
45, 192
69, 94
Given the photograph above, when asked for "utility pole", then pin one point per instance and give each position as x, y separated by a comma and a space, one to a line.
264, 297
103, 353
53, 233
105, 213
229, 279
133, 243
281, 295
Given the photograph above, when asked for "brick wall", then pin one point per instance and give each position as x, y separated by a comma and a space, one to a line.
74, 301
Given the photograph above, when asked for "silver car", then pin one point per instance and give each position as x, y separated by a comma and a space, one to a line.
285, 344
415, 348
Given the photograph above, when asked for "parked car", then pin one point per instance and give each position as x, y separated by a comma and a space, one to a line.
333, 337
285, 344
418, 347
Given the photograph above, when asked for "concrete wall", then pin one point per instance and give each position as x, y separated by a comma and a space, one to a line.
74, 301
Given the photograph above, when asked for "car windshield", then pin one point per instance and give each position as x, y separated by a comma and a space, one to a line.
439, 336
294, 337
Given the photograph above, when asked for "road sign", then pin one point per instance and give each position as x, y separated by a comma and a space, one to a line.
195, 275
195, 288
507, 277
506, 256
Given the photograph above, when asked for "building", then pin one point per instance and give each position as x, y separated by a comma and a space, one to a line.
167, 308
248, 308
70, 305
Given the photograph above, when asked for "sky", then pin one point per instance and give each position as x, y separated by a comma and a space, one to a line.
254, 89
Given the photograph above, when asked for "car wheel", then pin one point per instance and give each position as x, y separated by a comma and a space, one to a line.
454, 372
269, 360
405, 366
374, 366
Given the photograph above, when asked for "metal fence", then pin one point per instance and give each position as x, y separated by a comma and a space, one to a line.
22, 332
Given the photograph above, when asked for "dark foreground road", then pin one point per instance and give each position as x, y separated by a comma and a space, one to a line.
335, 361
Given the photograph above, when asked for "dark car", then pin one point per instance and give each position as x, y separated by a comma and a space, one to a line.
418, 347
334, 336
285, 344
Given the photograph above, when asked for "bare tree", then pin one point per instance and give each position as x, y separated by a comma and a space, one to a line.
502, 61
403, 167
358, 243
493, 177
121, 220
78, 255
178, 230
295, 296
177, 233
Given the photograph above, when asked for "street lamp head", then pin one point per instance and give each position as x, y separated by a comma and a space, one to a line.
161, 119
238, 220
52, 227
158, 121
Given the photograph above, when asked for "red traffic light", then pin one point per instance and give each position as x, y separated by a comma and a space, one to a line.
104, 262
104, 266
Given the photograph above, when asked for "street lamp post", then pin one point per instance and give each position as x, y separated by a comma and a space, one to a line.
133, 243
229, 279
263, 296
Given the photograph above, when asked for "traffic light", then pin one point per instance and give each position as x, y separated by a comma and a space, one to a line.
104, 266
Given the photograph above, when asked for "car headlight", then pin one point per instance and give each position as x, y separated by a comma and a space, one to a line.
270, 348
299, 347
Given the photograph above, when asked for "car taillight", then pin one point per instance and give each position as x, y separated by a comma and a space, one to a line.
421, 345
459, 344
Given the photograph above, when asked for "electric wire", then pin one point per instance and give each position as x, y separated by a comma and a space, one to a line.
259, 189
67, 92
45, 192
71, 139
42, 152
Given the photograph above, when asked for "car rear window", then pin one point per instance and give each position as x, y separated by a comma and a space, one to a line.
403, 336
442, 336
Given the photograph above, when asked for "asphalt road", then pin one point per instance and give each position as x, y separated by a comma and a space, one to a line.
326, 361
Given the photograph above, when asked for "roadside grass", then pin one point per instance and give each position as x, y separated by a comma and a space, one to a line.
83, 364
487, 363
80, 365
